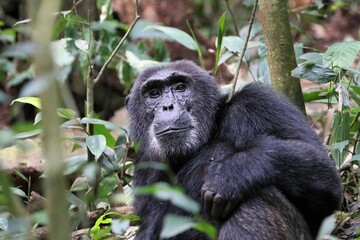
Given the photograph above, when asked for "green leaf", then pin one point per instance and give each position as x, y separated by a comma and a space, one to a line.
108, 26
21, 77
221, 33
74, 200
66, 113
100, 129
206, 228
340, 136
174, 225
356, 158
341, 54
18, 191
35, 101
96, 232
82, 45
80, 184
175, 195
108, 125
73, 164
107, 186
314, 72
315, 95
28, 134
20, 175
96, 145
235, 44
312, 57
178, 35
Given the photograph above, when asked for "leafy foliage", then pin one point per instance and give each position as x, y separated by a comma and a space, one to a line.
82, 46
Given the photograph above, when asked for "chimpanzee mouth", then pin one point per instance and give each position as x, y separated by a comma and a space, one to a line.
173, 130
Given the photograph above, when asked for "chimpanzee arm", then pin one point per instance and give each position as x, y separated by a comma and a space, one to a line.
262, 140
300, 170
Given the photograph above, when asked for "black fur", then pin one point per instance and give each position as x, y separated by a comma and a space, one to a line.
254, 163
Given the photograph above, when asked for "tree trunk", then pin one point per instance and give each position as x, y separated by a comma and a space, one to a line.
57, 206
280, 50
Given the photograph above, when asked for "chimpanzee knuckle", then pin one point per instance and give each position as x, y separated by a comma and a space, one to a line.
218, 199
209, 196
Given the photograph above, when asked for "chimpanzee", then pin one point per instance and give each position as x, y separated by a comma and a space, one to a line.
254, 164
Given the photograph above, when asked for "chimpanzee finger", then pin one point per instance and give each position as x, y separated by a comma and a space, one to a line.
208, 201
231, 205
218, 207
203, 190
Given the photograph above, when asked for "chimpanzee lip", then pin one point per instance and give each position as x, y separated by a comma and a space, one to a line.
173, 130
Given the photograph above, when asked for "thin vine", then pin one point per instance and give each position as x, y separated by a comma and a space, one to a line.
251, 21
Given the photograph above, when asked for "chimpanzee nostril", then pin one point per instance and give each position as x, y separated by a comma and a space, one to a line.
168, 107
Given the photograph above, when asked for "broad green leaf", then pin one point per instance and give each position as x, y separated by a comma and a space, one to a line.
339, 145
108, 125
108, 26
312, 57
235, 44
315, 95
314, 72
100, 129
174, 225
107, 185
164, 191
35, 101
18, 192
341, 54
96, 144
142, 30
28, 134
178, 35
136, 63
73, 164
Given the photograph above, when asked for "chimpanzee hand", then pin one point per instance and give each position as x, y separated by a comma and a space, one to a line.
215, 204
221, 191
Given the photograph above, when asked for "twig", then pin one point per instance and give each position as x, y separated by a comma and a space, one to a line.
137, 17
251, 21
232, 17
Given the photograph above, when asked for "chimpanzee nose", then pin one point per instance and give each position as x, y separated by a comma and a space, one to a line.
168, 107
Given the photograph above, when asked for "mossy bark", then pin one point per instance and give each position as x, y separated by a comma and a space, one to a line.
280, 50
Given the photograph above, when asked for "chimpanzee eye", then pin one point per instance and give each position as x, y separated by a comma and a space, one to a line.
154, 93
180, 87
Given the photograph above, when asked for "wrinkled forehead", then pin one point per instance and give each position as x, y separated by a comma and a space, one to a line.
163, 74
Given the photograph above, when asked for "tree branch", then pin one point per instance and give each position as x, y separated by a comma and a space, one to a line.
137, 17
251, 21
